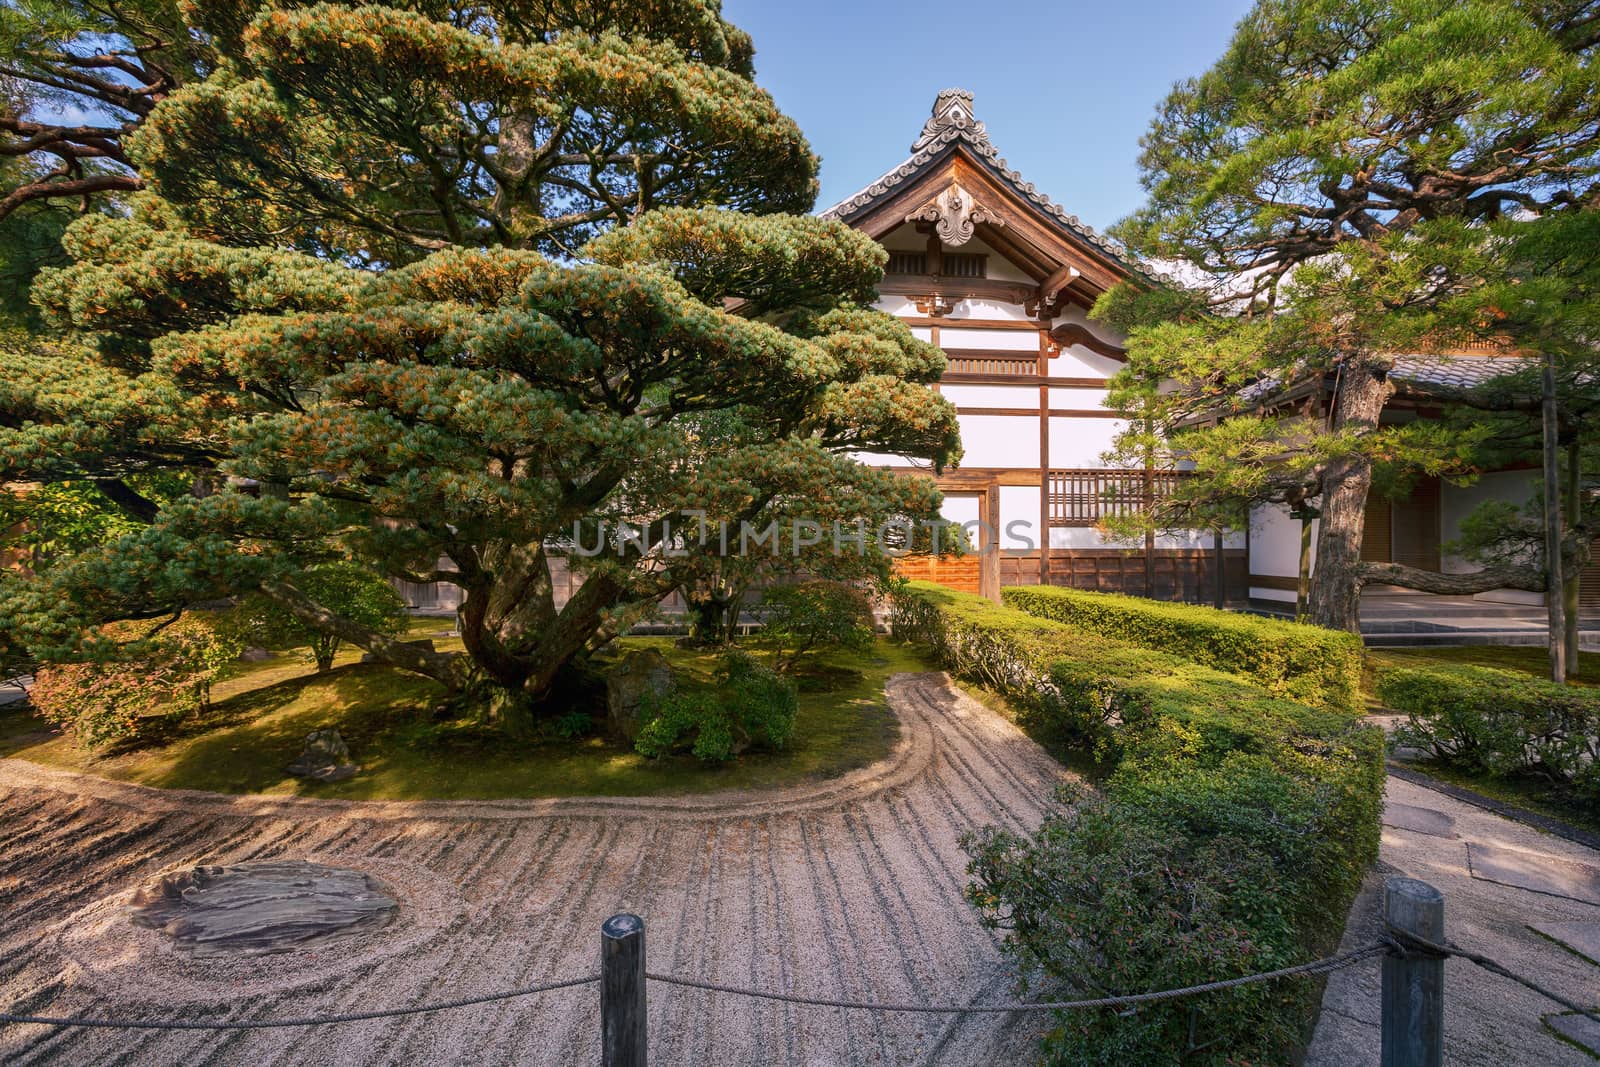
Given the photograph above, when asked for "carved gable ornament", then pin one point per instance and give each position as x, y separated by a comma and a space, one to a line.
955, 215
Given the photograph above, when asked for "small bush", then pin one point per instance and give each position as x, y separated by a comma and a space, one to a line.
751, 705
1230, 837
346, 589
144, 675
1104, 900
1500, 723
1305, 663
807, 617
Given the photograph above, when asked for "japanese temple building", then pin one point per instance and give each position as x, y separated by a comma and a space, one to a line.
990, 269
986, 266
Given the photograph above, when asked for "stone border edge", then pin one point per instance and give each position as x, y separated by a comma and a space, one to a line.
911, 755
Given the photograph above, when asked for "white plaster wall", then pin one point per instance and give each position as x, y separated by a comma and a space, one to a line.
895, 304
1019, 504
1198, 539
1077, 399
1275, 542
1075, 314
999, 267
978, 308
992, 396
960, 509
904, 238
999, 340
1078, 442
1077, 361
1000, 440
1456, 502
1275, 549
1080, 537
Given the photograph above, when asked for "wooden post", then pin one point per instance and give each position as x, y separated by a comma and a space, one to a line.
989, 550
1220, 590
1413, 984
623, 1038
1554, 602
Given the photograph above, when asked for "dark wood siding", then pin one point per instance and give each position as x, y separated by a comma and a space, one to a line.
1415, 525
1377, 543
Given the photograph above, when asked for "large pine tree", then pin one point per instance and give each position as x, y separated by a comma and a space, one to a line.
461, 282
1332, 184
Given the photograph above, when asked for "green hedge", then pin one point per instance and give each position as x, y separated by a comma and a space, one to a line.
1304, 663
1229, 837
1498, 722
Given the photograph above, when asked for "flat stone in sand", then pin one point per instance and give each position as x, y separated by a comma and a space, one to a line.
1580, 938
1419, 820
254, 908
1579, 1029
1535, 871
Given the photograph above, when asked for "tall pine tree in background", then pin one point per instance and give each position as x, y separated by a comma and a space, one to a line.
461, 283
1332, 185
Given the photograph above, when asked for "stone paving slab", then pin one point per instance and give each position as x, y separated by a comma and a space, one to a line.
1419, 820
1536, 871
1579, 1029
1580, 938
1490, 1021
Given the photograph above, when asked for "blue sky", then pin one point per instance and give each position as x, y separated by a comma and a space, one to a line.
1065, 88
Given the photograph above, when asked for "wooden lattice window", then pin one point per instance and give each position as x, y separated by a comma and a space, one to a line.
965, 265
908, 263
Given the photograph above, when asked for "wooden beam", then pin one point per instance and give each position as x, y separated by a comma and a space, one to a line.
1055, 413
1021, 379
1070, 333
971, 324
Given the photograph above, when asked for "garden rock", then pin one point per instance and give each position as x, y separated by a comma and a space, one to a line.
641, 677
325, 758
254, 655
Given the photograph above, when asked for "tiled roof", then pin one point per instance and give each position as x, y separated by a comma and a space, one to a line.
1453, 373
952, 120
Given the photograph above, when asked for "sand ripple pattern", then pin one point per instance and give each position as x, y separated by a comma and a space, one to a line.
850, 888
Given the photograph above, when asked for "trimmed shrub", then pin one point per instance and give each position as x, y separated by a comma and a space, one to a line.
1305, 663
1230, 836
347, 589
146, 674
806, 617
751, 705
1500, 723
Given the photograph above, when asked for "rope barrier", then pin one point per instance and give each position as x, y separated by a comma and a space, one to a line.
1314, 967
1410, 944
273, 1024
1332, 963
1396, 941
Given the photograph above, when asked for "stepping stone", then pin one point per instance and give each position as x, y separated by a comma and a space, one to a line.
1419, 820
1582, 939
1536, 871
1579, 1029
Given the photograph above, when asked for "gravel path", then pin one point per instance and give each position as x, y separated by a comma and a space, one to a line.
847, 888
1489, 1020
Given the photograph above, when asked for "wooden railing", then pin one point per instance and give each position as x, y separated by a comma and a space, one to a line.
1084, 496
1001, 364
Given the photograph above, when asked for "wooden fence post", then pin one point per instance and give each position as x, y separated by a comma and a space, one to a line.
623, 1038
1413, 983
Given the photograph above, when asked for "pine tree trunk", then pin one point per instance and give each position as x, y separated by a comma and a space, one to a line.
1336, 582
1571, 589
709, 621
